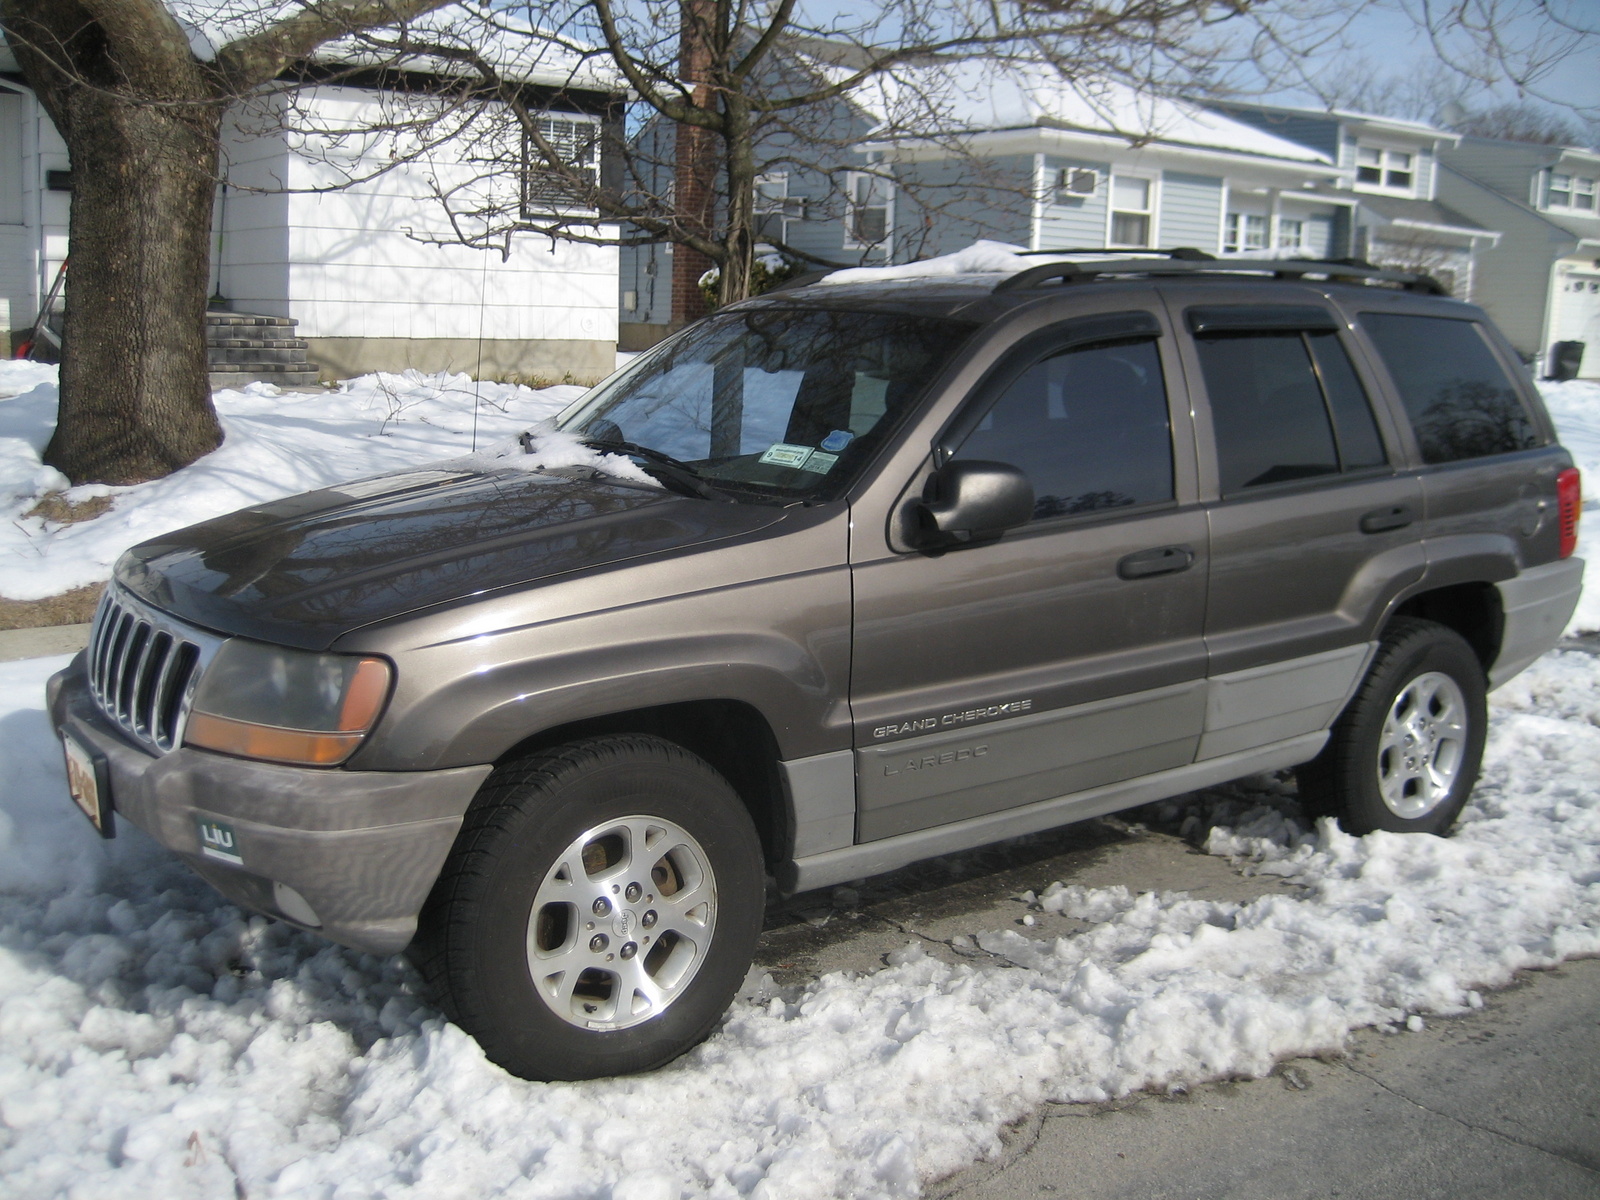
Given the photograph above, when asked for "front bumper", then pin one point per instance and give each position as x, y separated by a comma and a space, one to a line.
362, 848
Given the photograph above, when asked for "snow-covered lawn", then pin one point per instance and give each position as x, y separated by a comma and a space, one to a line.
276, 445
155, 1041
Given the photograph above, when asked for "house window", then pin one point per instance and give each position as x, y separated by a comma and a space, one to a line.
560, 173
866, 211
1130, 211
1384, 168
1244, 231
1291, 234
775, 208
1570, 191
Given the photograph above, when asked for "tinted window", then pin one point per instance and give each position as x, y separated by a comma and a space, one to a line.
777, 401
1267, 410
1088, 426
1460, 401
1353, 426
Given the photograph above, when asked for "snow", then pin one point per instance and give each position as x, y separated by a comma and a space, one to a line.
1575, 408
517, 48
992, 94
980, 258
154, 1040
275, 444
552, 449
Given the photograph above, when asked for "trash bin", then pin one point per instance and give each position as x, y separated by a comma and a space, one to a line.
1565, 359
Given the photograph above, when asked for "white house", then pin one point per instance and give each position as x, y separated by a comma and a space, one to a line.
324, 221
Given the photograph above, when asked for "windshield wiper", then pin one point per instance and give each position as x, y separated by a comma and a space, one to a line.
672, 470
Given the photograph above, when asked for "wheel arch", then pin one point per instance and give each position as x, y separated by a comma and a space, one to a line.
1470, 608
731, 735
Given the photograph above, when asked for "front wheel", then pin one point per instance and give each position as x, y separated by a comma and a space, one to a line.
599, 911
1405, 753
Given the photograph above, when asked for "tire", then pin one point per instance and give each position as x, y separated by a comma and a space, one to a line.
599, 910
1425, 683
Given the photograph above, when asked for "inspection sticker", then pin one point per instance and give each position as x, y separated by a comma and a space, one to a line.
786, 454
820, 462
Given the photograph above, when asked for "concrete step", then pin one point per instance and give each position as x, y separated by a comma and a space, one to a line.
220, 355
281, 374
227, 319
229, 343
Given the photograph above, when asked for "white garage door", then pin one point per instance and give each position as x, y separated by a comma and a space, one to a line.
1577, 316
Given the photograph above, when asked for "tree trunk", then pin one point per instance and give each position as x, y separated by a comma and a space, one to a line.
739, 237
135, 399
694, 163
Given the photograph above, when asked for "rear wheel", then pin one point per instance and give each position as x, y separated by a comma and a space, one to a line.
599, 911
1404, 755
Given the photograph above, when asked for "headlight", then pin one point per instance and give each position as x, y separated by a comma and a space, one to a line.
260, 701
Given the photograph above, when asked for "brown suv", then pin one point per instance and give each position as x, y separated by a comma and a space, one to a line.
843, 577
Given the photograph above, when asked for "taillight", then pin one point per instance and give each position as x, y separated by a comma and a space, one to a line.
1569, 503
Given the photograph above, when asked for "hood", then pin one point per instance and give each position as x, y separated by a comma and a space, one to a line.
307, 569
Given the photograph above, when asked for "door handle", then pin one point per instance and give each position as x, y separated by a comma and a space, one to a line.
1164, 560
1379, 520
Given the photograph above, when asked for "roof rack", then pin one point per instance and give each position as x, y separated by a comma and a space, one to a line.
1178, 263
1185, 253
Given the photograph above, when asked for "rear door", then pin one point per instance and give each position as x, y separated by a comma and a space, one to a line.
1314, 527
1067, 654
1489, 460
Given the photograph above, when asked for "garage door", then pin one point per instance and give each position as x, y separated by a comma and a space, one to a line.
1577, 316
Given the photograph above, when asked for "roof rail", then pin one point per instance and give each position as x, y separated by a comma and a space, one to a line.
1335, 271
1186, 253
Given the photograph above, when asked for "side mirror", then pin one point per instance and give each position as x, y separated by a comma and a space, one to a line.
973, 501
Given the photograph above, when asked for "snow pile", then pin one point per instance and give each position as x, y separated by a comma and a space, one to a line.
18, 376
546, 448
153, 1040
980, 258
276, 444
1575, 408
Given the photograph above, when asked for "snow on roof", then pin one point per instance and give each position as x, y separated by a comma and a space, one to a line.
980, 95
1405, 123
517, 49
980, 258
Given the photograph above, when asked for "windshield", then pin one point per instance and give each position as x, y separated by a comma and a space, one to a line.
779, 403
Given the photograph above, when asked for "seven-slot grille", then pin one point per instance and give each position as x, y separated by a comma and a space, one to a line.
142, 669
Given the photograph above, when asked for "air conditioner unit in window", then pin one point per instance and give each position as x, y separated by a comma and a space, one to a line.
1078, 181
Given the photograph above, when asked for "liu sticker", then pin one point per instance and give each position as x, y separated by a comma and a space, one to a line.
218, 841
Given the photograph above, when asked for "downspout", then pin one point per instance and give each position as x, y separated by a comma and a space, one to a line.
218, 301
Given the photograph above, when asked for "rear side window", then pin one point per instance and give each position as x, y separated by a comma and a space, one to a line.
1088, 426
1285, 405
1459, 398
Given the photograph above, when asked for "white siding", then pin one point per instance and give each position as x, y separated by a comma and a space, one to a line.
1424, 180
1191, 210
33, 222
356, 263
13, 111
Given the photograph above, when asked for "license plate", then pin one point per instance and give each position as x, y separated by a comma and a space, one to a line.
89, 783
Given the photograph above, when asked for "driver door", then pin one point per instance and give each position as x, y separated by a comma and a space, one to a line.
1067, 654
